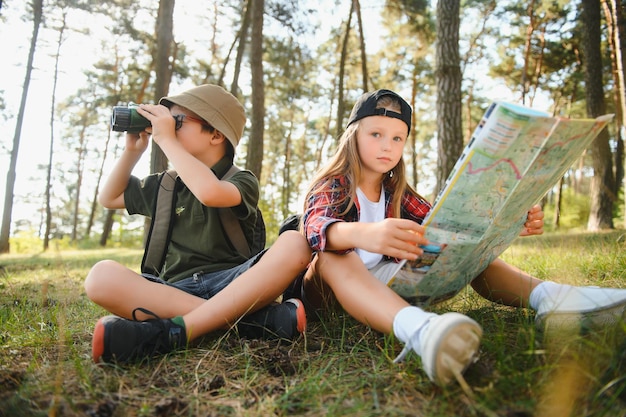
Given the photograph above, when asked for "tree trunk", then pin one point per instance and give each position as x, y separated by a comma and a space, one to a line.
530, 29
48, 219
342, 68
612, 14
5, 232
254, 160
241, 49
357, 8
556, 222
108, 225
94, 201
80, 166
602, 183
163, 69
620, 60
448, 75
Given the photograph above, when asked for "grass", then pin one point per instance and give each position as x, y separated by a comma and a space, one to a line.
340, 368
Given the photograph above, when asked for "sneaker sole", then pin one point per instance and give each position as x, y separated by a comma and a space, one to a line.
300, 314
97, 341
456, 349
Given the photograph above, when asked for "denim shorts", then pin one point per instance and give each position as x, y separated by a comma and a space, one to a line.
206, 285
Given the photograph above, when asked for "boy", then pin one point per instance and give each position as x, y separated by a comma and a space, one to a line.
196, 291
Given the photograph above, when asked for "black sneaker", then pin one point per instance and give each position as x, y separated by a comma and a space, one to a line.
278, 321
121, 340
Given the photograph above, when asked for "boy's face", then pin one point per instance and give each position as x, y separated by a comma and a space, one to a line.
380, 141
189, 130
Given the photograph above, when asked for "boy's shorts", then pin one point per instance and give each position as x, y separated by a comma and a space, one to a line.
206, 285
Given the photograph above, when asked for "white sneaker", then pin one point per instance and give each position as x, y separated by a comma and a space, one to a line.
449, 344
587, 306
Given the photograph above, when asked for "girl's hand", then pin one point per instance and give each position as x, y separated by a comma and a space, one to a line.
397, 238
534, 222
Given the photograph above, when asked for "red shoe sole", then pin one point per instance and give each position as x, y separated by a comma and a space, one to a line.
97, 342
301, 317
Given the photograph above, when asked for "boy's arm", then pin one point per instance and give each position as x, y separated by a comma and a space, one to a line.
112, 194
200, 178
196, 174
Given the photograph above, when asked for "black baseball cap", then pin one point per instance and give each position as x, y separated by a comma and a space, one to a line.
365, 106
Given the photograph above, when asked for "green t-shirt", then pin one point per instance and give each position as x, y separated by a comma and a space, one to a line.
198, 242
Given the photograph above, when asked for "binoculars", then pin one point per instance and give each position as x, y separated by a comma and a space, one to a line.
126, 119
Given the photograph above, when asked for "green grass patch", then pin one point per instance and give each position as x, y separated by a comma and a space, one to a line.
339, 368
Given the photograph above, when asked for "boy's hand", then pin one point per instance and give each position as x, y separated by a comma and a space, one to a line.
534, 222
137, 142
161, 119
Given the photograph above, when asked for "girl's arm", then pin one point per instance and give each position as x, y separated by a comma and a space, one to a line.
397, 238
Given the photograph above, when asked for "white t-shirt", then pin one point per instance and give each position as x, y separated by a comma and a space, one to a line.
370, 212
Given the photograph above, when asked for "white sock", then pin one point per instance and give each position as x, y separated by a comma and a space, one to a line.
545, 289
408, 322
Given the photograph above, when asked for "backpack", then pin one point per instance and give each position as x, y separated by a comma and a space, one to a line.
161, 226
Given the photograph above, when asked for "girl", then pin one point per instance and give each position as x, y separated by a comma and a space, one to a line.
360, 213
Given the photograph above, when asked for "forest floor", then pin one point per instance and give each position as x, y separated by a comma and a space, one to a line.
338, 368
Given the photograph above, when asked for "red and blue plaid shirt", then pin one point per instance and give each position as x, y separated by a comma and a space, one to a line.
322, 210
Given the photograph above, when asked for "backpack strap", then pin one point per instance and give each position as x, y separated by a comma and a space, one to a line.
231, 224
160, 225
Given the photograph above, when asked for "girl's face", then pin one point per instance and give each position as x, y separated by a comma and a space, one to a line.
380, 141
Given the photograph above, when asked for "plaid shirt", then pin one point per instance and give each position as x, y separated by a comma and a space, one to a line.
321, 211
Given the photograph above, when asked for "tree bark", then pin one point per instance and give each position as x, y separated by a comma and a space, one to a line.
357, 8
243, 39
448, 74
254, 160
602, 183
48, 210
163, 69
342, 68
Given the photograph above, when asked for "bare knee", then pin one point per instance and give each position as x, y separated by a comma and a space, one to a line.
296, 245
98, 278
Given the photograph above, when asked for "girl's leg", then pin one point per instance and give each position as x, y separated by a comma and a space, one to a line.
446, 343
505, 284
360, 294
256, 288
561, 305
120, 290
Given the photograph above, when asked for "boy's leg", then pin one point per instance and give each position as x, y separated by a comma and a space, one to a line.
255, 288
120, 291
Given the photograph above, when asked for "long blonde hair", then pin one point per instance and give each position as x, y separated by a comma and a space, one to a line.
346, 162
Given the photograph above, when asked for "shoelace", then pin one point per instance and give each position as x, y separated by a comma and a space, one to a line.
409, 345
155, 342
407, 348
146, 312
